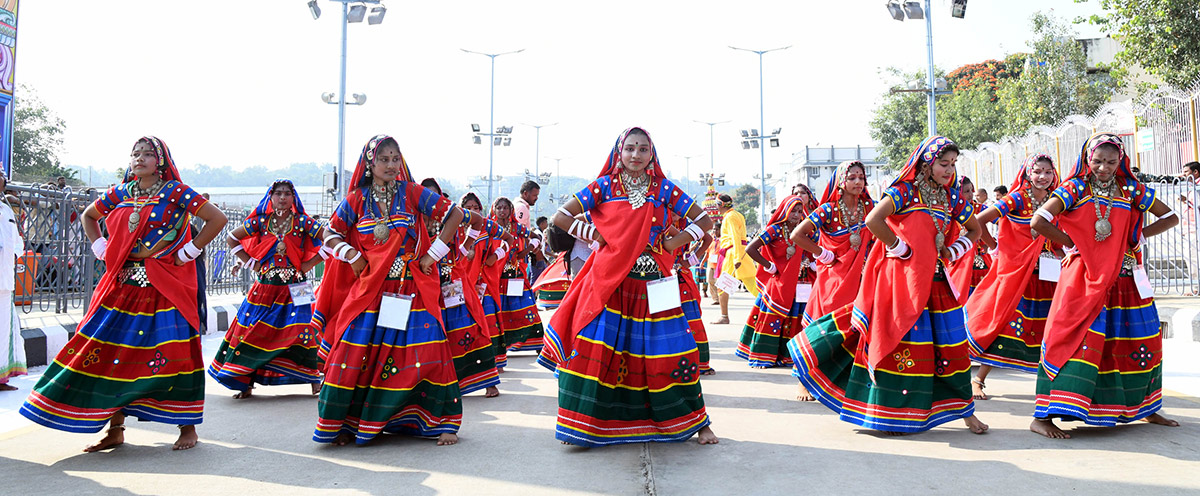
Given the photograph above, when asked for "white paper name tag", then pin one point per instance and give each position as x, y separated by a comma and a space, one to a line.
452, 293
1144, 287
394, 310
662, 294
727, 283
803, 291
302, 293
1049, 269
953, 290
516, 287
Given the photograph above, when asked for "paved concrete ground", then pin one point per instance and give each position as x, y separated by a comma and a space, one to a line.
769, 443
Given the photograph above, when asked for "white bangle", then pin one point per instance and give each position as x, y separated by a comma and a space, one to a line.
563, 210
325, 252
438, 249
825, 256
771, 269
99, 246
899, 249
500, 253
1168, 215
234, 238
237, 249
534, 243
1045, 214
339, 251
330, 236
694, 230
355, 259
473, 234
188, 252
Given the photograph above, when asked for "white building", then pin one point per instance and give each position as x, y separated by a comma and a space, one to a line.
815, 166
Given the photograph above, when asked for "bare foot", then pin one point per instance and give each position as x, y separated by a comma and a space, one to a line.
447, 439
1047, 428
113, 437
706, 436
1161, 420
343, 438
245, 393
491, 392
500, 370
723, 320
715, 302
187, 438
316, 388
977, 389
977, 426
7, 387
709, 372
804, 395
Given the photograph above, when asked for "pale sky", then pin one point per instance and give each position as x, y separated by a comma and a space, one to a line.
238, 83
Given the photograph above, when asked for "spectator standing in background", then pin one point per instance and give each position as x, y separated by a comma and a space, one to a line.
999, 192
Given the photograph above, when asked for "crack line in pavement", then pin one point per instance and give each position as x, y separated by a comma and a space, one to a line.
647, 470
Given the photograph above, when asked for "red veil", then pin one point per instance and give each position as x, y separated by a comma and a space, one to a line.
894, 291
626, 232
177, 283
991, 307
780, 287
342, 296
1087, 277
299, 249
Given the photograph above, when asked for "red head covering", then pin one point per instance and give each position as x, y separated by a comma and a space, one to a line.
366, 160
298, 250
929, 150
1022, 180
166, 165
837, 183
613, 165
785, 208
1082, 165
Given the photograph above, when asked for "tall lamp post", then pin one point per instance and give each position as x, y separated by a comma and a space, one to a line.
712, 164
913, 11
687, 172
762, 209
492, 112
350, 13
537, 147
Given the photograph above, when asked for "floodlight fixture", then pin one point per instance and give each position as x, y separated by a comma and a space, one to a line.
474, 128
359, 98
754, 144
896, 11
376, 16
745, 133
356, 13
327, 97
496, 141
477, 140
314, 9
958, 8
508, 130
777, 131
507, 141
754, 133
774, 142
745, 145
913, 10
941, 84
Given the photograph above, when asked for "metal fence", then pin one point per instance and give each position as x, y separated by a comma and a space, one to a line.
58, 271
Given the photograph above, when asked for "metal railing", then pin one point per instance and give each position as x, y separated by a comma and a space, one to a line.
58, 272
1172, 258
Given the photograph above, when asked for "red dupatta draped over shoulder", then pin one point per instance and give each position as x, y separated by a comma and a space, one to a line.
895, 291
261, 245
342, 296
780, 287
837, 284
990, 309
626, 232
1087, 277
177, 283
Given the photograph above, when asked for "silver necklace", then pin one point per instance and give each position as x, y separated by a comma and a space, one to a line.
280, 228
1034, 205
935, 197
1107, 191
135, 192
851, 221
383, 194
635, 188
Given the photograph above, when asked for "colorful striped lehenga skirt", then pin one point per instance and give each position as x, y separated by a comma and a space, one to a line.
767, 332
1115, 375
1019, 344
379, 379
923, 383
471, 346
136, 355
269, 342
519, 318
690, 304
632, 377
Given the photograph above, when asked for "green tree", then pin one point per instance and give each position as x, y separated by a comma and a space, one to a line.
745, 201
899, 122
37, 139
1161, 36
973, 114
1055, 82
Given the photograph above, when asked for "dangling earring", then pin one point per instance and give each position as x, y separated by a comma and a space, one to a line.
368, 174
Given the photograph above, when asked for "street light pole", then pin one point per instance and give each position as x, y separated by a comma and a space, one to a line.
762, 197
492, 111
712, 165
537, 147
932, 87
687, 168
341, 181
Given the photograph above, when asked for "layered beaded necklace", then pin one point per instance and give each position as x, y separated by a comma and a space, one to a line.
280, 227
935, 197
851, 219
1106, 190
1034, 205
382, 195
136, 192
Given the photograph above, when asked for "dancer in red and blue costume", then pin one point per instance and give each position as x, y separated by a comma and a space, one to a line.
137, 350
689, 290
626, 375
520, 322
378, 378
270, 341
1102, 353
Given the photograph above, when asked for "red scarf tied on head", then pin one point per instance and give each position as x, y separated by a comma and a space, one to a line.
991, 307
626, 231
178, 283
262, 246
342, 296
894, 291
1086, 278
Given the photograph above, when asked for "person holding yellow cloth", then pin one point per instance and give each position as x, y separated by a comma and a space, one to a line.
731, 253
